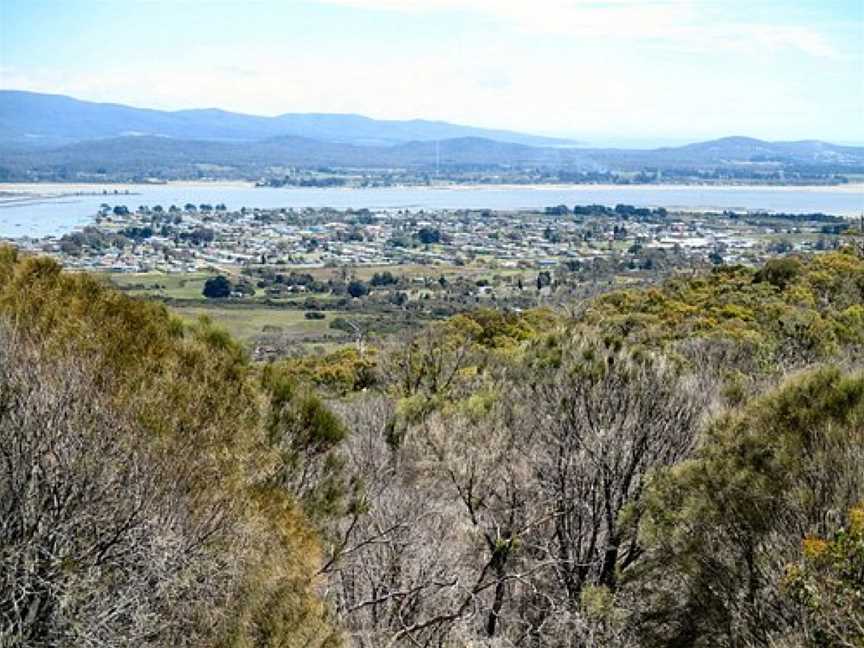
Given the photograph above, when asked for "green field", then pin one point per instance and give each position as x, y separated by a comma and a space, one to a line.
161, 285
284, 317
246, 322
365, 273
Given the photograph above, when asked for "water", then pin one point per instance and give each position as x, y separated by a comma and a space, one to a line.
47, 216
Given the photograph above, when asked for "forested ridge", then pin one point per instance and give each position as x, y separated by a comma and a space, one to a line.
680, 465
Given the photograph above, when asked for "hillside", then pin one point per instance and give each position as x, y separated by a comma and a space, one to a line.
136, 156
129, 154
740, 150
49, 137
672, 466
28, 118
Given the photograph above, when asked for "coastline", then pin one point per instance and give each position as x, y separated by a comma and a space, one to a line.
851, 188
96, 188
55, 188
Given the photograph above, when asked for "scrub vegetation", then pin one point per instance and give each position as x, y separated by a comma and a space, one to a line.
672, 465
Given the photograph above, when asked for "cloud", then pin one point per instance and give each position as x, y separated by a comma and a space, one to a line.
677, 24
647, 69
486, 86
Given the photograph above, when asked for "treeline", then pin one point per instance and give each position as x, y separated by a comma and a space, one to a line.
620, 211
815, 217
673, 466
628, 212
94, 239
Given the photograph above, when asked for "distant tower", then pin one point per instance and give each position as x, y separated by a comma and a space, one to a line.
437, 158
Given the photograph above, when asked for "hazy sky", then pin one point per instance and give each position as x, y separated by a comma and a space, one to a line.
610, 71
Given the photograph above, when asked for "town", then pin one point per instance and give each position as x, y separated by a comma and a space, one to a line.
287, 281
206, 237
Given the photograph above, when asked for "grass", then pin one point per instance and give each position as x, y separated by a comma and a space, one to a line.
161, 285
189, 286
364, 273
795, 238
246, 322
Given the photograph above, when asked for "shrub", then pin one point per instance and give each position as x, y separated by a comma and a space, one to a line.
217, 287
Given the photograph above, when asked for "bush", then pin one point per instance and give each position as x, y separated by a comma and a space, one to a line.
341, 324
780, 272
721, 526
358, 289
217, 287
162, 521
123, 554
383, 279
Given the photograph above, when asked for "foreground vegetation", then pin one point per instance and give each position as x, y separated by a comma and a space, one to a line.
670, 466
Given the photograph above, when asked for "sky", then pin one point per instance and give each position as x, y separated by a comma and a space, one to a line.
605, 72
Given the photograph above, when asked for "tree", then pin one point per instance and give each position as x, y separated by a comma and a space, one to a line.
543, 279
605, 418
474, 456
780, 246
199, 235
428, 235
385, 278
217, 287
721, 528
100, 540
854, 236
146, 439
558, 210
393, 566
357, 289
305, 432
780, 272
828, 581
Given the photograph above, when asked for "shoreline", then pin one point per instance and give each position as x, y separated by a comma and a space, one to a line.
844, 188
97, 188
29, 188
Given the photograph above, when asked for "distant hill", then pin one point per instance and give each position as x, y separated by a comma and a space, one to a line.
737, 150
55, 137
29, 118
167, 157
